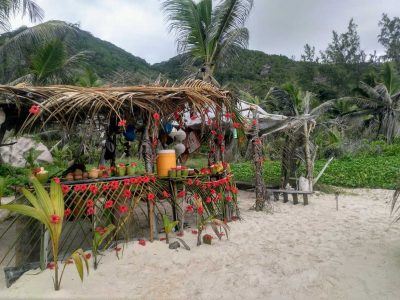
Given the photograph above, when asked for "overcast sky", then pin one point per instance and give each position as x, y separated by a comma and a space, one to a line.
276, 26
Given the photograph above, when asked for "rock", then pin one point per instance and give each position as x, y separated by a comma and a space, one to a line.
14, 154
4, 213
266, 70
174, 245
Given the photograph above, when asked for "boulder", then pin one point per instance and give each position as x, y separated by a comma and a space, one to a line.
174, 245
14, 154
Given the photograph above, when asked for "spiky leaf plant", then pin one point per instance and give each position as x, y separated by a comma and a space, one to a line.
48, 209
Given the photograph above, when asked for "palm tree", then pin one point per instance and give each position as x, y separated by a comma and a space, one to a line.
304, 109
50, 64
9, 8
211, 36
89, 78
382, 103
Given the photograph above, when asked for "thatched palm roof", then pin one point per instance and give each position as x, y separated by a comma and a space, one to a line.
68, 104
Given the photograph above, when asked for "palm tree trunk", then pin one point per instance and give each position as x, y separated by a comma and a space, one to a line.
307, 153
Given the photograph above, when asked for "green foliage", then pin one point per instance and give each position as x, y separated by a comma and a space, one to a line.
364, 171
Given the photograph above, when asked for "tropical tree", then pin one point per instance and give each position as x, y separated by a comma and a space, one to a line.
9, 8
380, 103
89, 79
304, 109
212, 36
51, 64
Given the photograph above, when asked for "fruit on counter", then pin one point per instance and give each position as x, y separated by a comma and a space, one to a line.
94, 173
69, 177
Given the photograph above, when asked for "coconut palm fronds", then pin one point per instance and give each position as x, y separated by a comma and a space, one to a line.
70, 104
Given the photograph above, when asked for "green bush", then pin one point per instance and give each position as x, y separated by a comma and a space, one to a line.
361, 172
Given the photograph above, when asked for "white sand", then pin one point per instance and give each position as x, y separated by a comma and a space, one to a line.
311, 252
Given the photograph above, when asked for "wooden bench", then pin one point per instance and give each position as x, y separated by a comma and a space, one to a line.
294, 194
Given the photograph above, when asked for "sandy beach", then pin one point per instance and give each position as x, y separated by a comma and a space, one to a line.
311, 252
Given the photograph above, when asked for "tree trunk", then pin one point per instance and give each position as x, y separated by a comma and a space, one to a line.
309, 163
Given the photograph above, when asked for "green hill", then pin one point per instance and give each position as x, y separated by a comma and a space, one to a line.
253, 71
106, 58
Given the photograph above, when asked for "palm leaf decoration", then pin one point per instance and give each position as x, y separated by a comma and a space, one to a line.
211, 36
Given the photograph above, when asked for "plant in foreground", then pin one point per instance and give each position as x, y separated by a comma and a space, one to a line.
100, 234
48, 209
168, 226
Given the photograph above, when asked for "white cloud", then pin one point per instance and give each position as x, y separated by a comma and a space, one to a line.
276, 26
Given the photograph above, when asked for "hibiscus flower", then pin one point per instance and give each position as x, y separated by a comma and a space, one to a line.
123, 209
56, 180
127, 193
54, 219
65, 189
67, 212
108, 204
90, 203
34, 110
122, 123
90, 211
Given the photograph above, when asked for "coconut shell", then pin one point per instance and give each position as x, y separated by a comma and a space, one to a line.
85, 175
78, 172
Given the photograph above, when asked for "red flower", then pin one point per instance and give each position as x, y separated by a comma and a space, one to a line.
93, 189
67, 212
126, 181
156, 116
236, 125
51, 265
208, 200
90, 211
65, 189
228, 198
109, 204
190, 182
142, 242
189, 208
228, 188
166, 194
222, 149
234, 190
197, 182
55, 219
257, 141
220, 137
122, 123
77, 188
34, 110
254, 122
153, 179
88, 255
123, 209
151, 197
101, 230
194, 231
90, 203
133, 164
134, 180
212, 191
200, 210
213, 132
145, 179
204, 171
228, 115
155, 142
114, 185
56, 180
127, 194
105, 187
102, 168
181, 194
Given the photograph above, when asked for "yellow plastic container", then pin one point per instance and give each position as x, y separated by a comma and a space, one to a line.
166, 160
